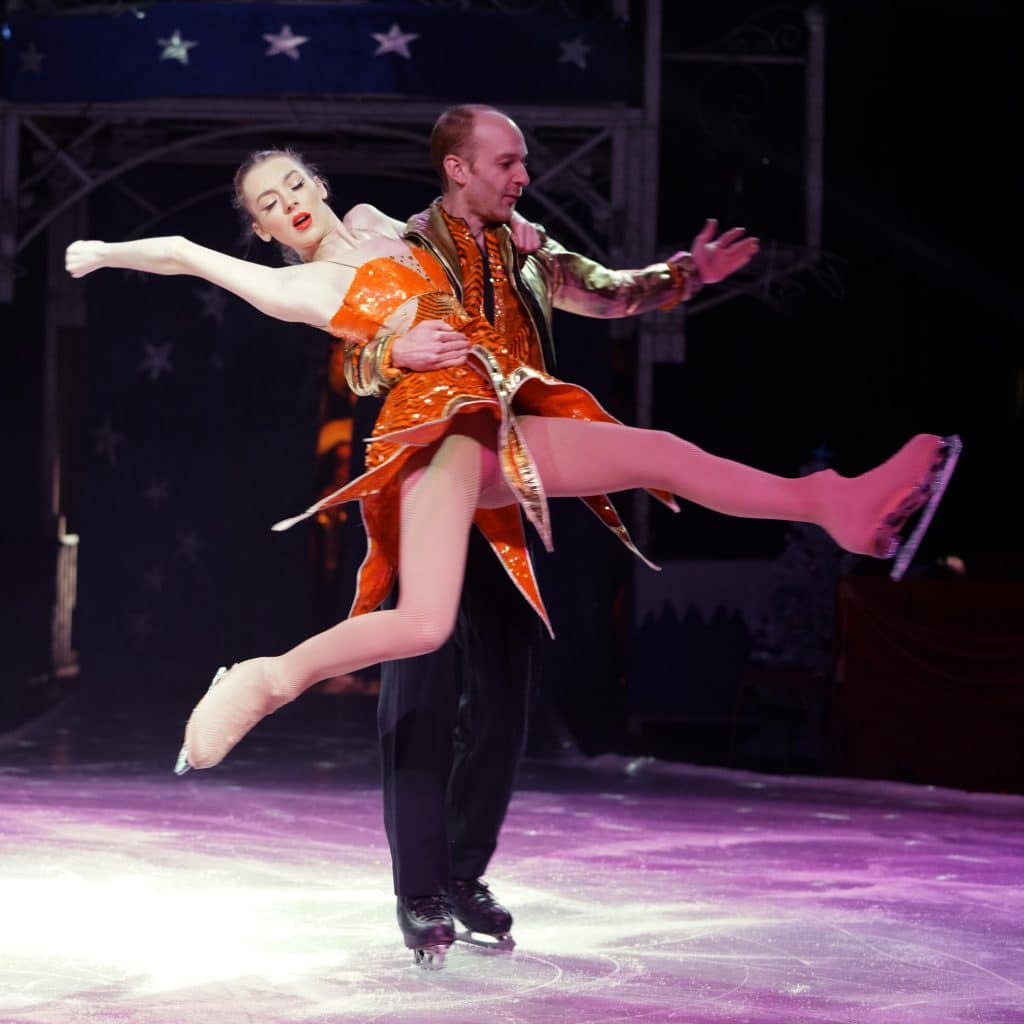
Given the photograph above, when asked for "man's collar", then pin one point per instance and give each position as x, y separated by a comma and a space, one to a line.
455, 218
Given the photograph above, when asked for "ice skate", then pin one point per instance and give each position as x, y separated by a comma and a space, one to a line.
474, 905
235, 701
183, 765
939, 480
872, 511
428, 929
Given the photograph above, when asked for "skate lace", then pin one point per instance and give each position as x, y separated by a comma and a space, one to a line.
431, 908
473, 890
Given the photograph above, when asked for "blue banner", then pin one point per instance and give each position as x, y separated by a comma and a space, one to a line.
379, 49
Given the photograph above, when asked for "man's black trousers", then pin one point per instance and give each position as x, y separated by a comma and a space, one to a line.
452, 725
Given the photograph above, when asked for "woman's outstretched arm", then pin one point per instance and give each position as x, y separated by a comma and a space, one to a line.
310, 293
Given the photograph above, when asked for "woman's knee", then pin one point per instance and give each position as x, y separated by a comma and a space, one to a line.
424, 631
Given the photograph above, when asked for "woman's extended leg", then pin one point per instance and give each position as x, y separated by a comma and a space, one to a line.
438, 501
579, 457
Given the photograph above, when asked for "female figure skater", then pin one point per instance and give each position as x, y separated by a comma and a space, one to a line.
477, 438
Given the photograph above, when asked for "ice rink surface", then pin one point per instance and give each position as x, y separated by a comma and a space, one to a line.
260, 891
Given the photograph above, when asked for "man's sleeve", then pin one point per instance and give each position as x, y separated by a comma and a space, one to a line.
583, 286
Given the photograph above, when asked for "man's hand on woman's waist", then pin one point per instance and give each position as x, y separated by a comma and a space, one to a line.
430, 345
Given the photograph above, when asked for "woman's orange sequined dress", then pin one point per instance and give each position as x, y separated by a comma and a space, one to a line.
395, 293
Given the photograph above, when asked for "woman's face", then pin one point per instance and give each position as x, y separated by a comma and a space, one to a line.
286, 203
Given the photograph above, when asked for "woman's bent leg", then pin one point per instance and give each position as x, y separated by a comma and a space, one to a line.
438, 501
576, 457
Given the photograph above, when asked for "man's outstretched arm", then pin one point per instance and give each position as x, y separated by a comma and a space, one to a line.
581, 285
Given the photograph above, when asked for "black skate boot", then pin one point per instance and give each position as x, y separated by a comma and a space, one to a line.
474, 905
426, 923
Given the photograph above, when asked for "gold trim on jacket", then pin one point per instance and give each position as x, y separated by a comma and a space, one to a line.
551, 277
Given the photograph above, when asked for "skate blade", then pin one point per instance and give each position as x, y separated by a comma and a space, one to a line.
181, 765
939, 482
430, 958
498, 943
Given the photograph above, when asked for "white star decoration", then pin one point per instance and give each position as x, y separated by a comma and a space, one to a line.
394, 41
156, 492
176, 48
31, 59
212, 301
575, 52
107, 439
188, 546
153, 579
285, 42
156, 361
141, 625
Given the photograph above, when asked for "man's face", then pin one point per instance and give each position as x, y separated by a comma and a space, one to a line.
495, 171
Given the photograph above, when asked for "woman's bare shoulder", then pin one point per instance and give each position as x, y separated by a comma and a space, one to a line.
366, 218
341, 250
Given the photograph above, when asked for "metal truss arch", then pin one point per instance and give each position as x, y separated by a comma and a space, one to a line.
69, 151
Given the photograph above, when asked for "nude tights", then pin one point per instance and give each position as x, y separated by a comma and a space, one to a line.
438, 499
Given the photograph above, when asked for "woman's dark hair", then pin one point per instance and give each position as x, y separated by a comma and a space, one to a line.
245, 216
